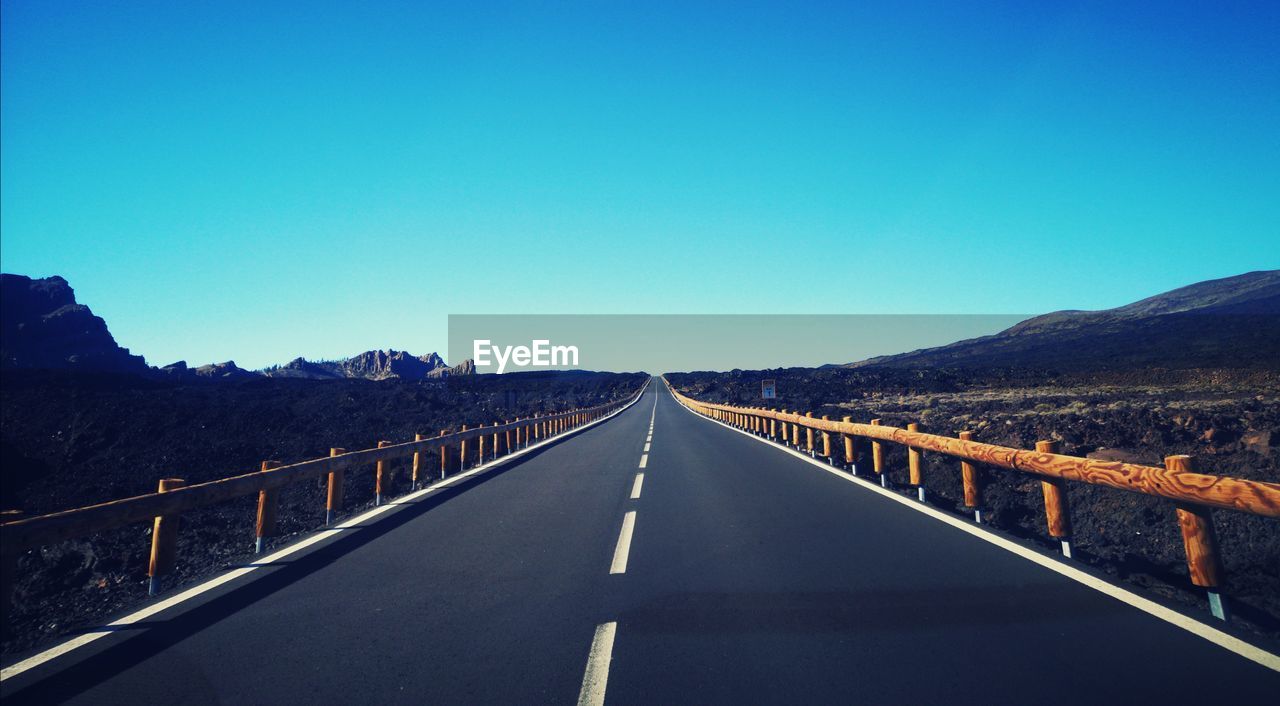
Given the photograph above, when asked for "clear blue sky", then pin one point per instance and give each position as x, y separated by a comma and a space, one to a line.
263, 180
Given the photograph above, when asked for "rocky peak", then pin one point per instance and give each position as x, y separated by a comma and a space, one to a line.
42, 326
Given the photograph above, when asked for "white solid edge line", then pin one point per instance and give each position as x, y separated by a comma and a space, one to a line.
644, 461
321, 534
1224, 640
636, 486
623, 550
596, 678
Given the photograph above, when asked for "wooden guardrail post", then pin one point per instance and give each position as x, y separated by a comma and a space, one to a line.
417, 464
786, 437
773, 429
268, 504
382, 479
808, 436
8, 574
1200, 542
444, 456
506, 438
972, 483
877, 458
480, 447
164, 540
913, 465
826, 441
333, 499
850, 448
1056, 510
462, 452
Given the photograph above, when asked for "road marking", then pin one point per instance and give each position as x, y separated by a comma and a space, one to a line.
644, 460
597, 675
1224, 640
646, 446
347, 526
623, 550
649, 437
635, 487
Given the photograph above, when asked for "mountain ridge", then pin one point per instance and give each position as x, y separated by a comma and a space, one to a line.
42, 327
1231, 322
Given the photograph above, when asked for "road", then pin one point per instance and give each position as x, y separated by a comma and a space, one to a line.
730, 573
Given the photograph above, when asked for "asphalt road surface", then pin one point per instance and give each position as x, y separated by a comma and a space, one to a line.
730, 572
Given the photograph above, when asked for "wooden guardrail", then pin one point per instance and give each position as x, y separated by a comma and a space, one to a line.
1193, 493
456, 450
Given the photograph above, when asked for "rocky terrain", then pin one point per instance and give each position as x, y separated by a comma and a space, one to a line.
74, 439
372, 365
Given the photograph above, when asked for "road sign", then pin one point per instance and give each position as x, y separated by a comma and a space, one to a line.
769, 389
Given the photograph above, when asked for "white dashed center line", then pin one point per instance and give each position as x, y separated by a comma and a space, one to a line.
597, 674
644, 460
623, 550
635, 487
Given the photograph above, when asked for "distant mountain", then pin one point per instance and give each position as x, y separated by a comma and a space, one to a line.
42, 327
370, 365
1224, 323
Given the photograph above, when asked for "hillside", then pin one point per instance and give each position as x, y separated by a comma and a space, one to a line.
1225, 323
